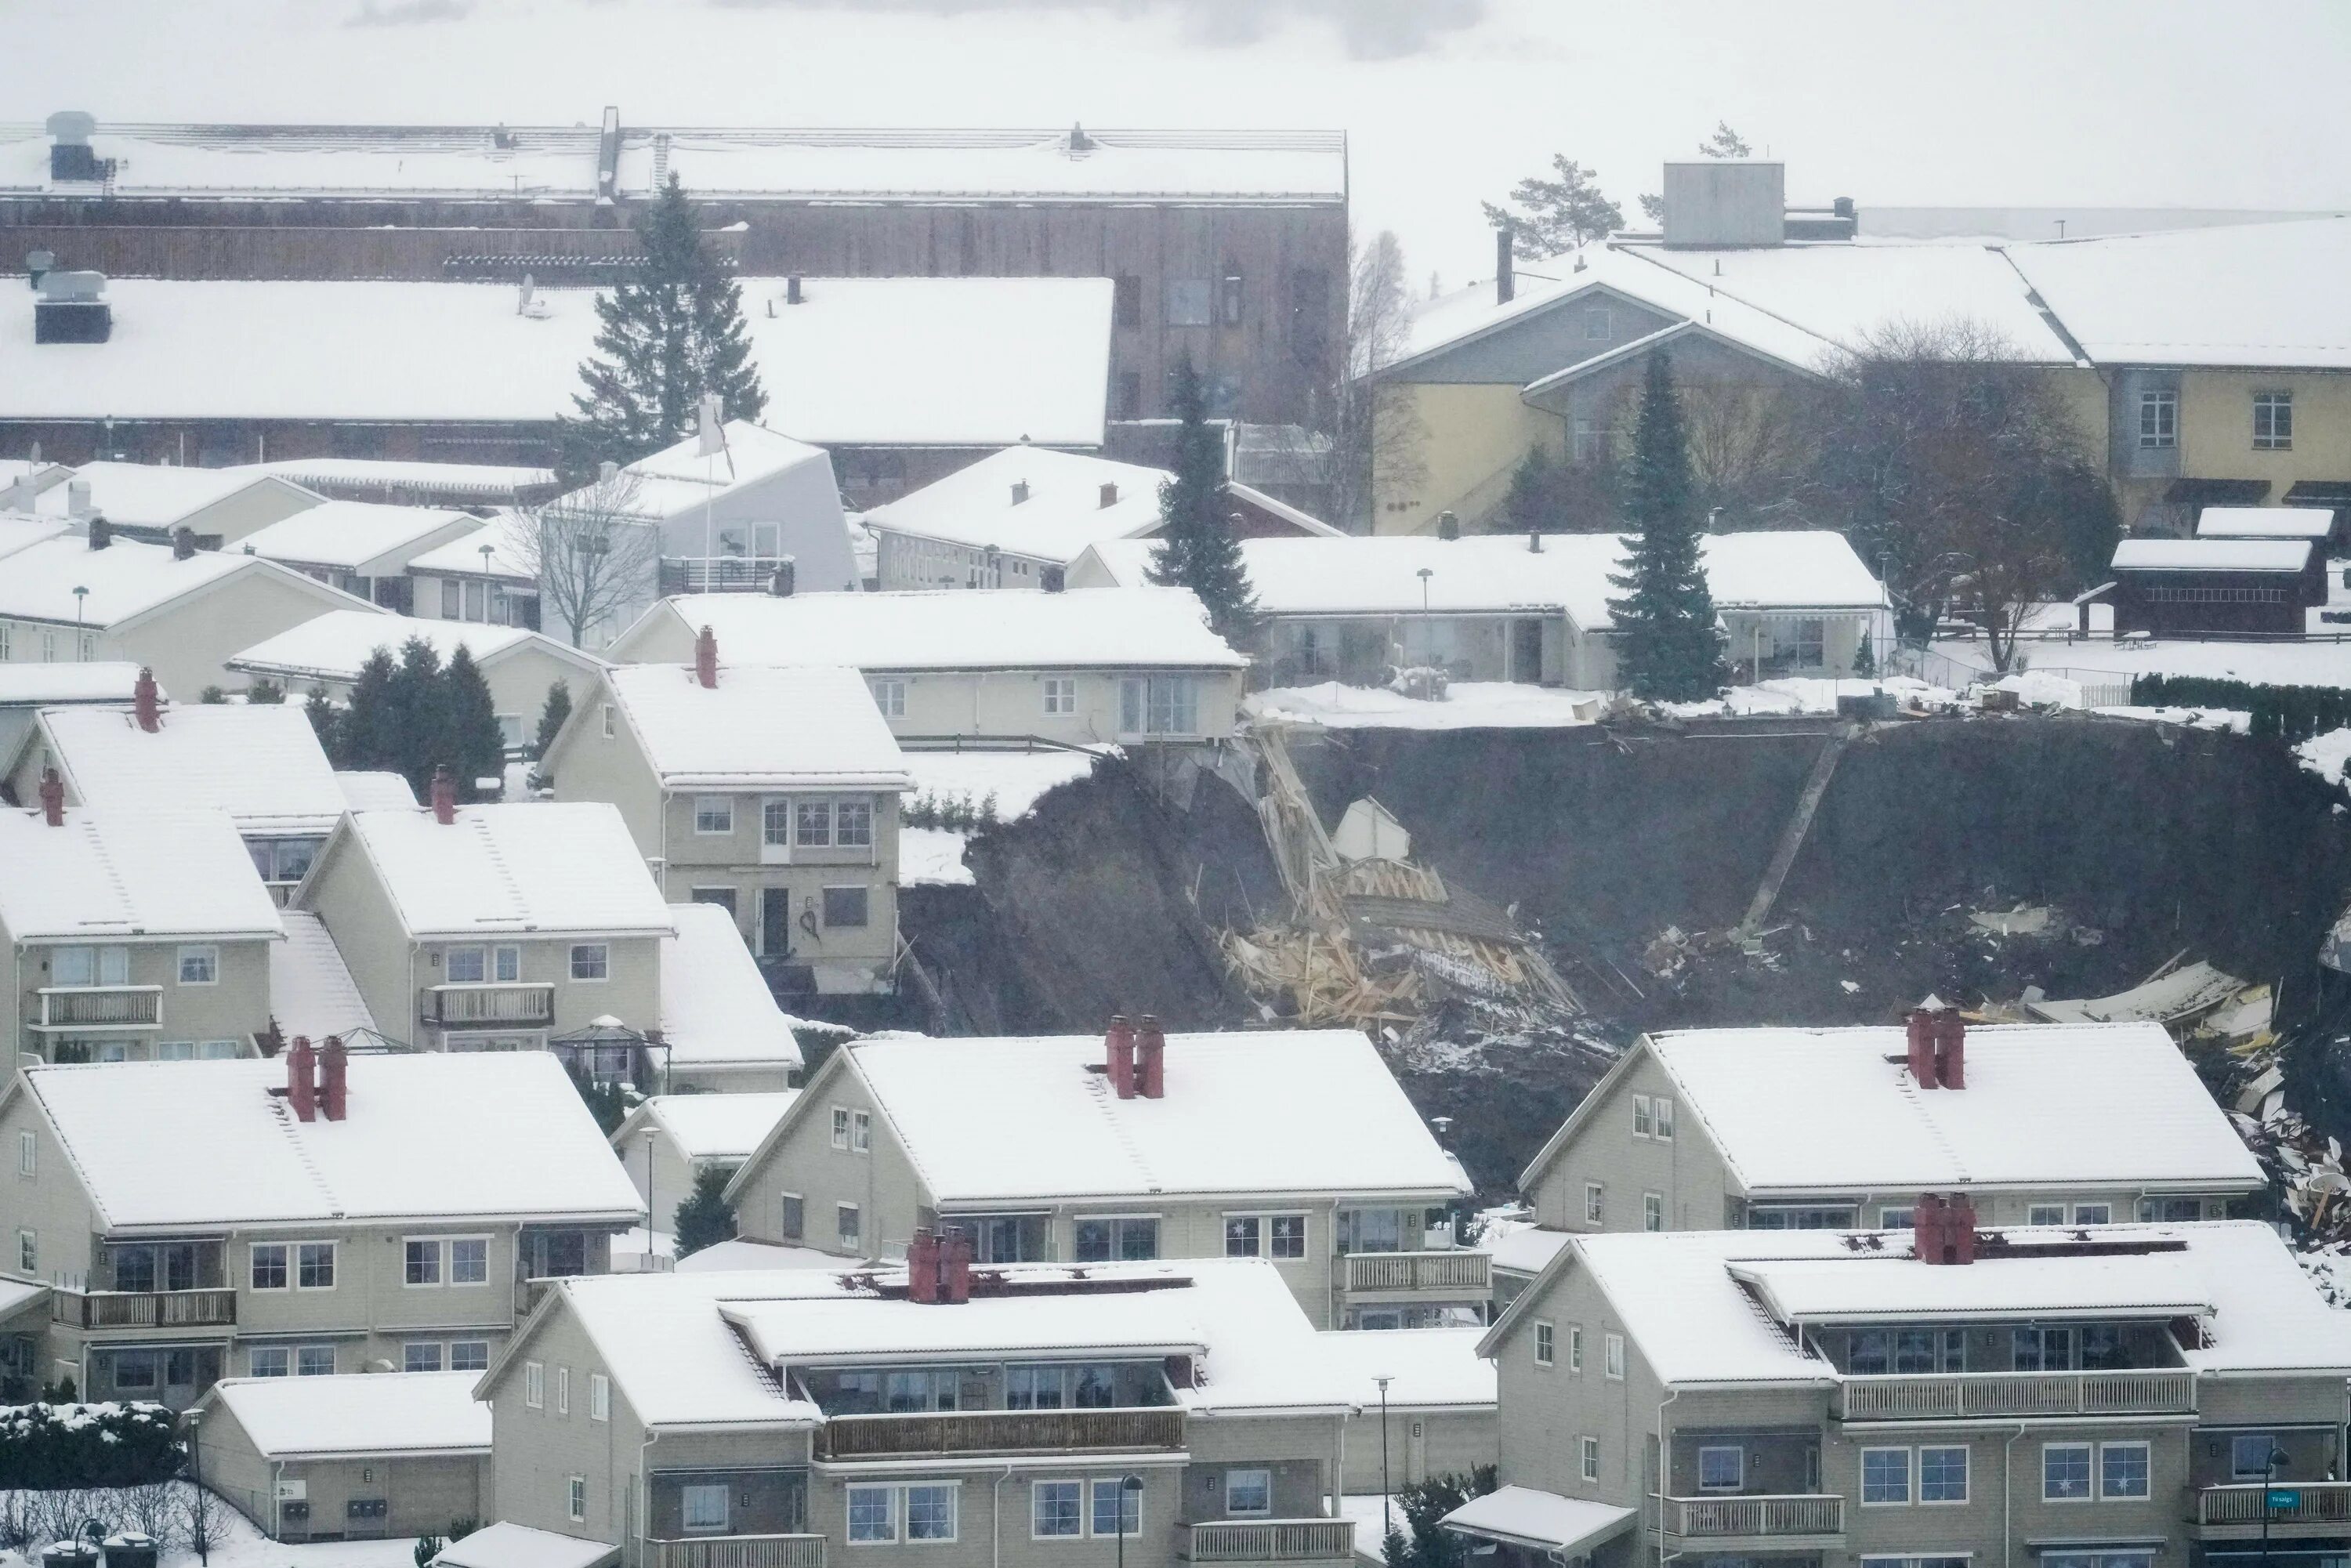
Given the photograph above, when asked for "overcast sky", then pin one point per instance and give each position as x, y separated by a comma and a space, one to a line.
1989, 102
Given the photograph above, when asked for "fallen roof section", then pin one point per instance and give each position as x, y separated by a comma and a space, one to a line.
2185, 994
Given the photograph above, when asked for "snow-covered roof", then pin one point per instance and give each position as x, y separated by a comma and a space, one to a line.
369, 537
2202, 554
311, 990
413, 481
1426, 1368
1525, 1249
670, 1354
261, 763
536, 868
2254, 294
16, 531
1013, 780
1290, 1112
371, 789
513, 551
402, 1414
762, 726
126, 579
505, 1545
432, 1135
678, 481
1060, 508
30, 683
2264, 522
2122, 1284
115, 875
152, 494
740, 1253
1543, 1520
873, 361
722, 1128
718, 1012
2014, 1126
333, 646
1497, 574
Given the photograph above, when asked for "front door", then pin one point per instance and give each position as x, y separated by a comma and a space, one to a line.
1526, 652
774, 923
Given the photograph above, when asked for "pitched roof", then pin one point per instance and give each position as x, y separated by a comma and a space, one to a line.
1426, 1369
373, 789
2264, 522
155, 495
2289, 555
16, 531
512, 551
679, 480
526, 868
261, 763
30, 683
126, 579
760, 727
335, 645
109, 876
401, 1414
369, 537
1058, 511
1282, 1110
311, 990
718, 1012
1094, 628
487, 1135
725, 1127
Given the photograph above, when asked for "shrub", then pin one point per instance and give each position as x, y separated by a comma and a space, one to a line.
2290, 714
49, 1447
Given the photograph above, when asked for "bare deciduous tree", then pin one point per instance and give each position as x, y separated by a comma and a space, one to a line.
1749, 450
1376, 433
593, 554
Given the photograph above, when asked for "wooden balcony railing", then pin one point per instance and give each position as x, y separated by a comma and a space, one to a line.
1269, 1540
739, 1552
1446, 1270
1000, 1432
144, 1309
467, 1007
101, 1007
2313, 1503
1957, 1395
1703, 1517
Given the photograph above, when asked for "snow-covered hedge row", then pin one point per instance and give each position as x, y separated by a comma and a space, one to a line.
54, 1445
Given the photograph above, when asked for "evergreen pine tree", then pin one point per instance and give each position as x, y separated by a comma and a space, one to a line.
551, 716
1668, 648
671, 333
1197, 546
705, 1217
325, 722
471, 742
416, 724
367, 734
263, 692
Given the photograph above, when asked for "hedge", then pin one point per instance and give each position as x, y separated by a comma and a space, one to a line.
51, 1446
2289, 713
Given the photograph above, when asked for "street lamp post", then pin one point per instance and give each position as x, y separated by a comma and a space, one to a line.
1387, 1496
650, 1210
2277, 1457
1129, 1485
1428, 642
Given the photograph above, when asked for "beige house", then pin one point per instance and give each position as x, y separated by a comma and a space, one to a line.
130, 935
149, 501
328, 652
363, 548
721, 1030
489, 576
2158, 1394
26, 689
323, 1212
178, 611
1841, 1129
669, 1140
1155, 1413
1436, 1395
1132, 666
1297, 1147
347, 1458
771, 791
498, 927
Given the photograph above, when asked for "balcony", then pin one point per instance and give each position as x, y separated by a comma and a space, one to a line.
1000, 1432
1779, 1519
2235, 1512
1268, 1541
490, 1006
738, 1552
82, 1008
1470, 1272
144, 1309
718, 573
1959, 1396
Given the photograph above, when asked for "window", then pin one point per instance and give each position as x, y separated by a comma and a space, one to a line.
2171, 1210
591, 961
1722, 1469
1228, 297
269, 1361
465, 966
1653, 1211
1118, 1508
812, 824
1543, 1336
890, 697
198, 965
791, 1216
2249, 1456
848, 907
2046, 1214
28, 1253
2123, 1471
1244, 1235
1187, 301
1126, 299
1248, 1492
1060, 695
469, 1355
872, 1513
1593, 441
1158, 705
1943, 1475
1101, 1240
608, 721
1286, 1236
1885, 1476
314, 1360
2274, 422
575, 1493
1643, 1122
534, 1385
269, 1271
175, 1050
1892, 1217
72, 967
845, 1225
469, 1260
1588, 1457
1594, 1208
424, 1263
1575, 1347
931, 1513
2158, 420
2042, 1349
2065, 1472
563, 1391
2093, 1214
1612, 1356
1664, 1114
424, 1355
29, 1153
314, 1266
1056, 1509
704, 1506
1596, 325
713, 814
861, 1131
853, 824
840, 1127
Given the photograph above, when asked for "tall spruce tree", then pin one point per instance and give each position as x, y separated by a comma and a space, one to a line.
1668, 647
471, 742
1198, 548
671, 333
551, 716
704, 1217
367, 737
419, 716
325, 722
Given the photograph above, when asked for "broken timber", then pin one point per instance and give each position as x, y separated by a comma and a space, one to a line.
1792, 839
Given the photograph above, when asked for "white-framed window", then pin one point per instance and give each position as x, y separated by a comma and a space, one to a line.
2093, 1214
2123, 1471
469, 1355
1611, 1356
812, 824
1060, 695
1592, 441
48, 646
2158, 420
1663, 1108
2249, 1456
1721, 1467
703, 1507
28, 1254
575, 1497
872, 1514
563, 1391
474, 966
534, 1385
2170, 1210
1158, 705
1056, 1509
1653, 1211
314, 1266
861, 1131
1897, 1216
1117, 1507
1248, 1494
2066, 1473
1265, 1235
1595, 1204
609, 728
713, 814
853, 824
591, 961
83, 966
1107, 1238
791, 1215
847, 1225
919, 1512
2274, 422
1544, 1336
269, 1361
267, 1266
28, 1154
314, 1360
423, 1264
1588, 1457
2046, 1214
840, 1127
1943, 1474
599, 1397
1642, 1117
1575, 1347
469, 1260
930, 1513
421, 1356
1884, 1477
889, 695
200, 965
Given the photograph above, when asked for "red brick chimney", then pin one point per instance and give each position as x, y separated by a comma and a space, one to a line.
954, 1268
1121, 1062
705, 660
1151, 1054
142, 701
301, 1085
1951, 1050
53, 798
1920, 1041
445, 795
334, 1079
922, 1267
1943, 1229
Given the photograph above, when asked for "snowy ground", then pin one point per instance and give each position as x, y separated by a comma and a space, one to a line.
1003, 785
238, 1544
2264, 664
1466, 705
1369, 1511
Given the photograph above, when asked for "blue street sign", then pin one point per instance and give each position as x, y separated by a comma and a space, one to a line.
2282, 1497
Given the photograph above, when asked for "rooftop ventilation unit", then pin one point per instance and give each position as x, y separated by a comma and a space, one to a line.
72, 308
71, 157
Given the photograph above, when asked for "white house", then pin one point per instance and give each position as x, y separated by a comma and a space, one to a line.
489, 575
360, 547
150, 501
